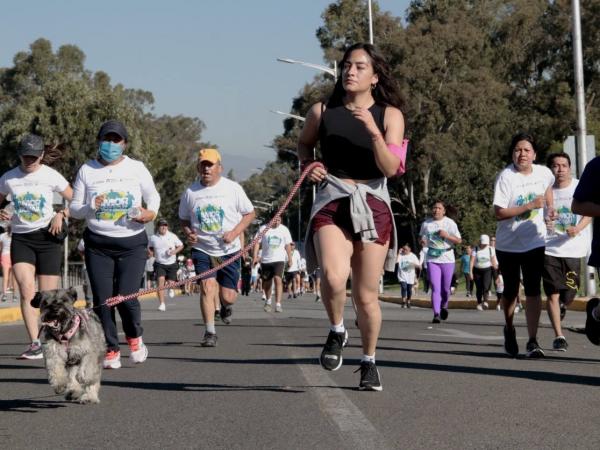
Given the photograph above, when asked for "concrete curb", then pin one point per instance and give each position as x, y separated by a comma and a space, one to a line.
422, 302
11, 314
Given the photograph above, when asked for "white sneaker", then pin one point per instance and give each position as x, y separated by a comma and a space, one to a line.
498, 307
485, 305
479, 308
162, 307
278, 308
171, 293
138, 350
112, 360
517, 309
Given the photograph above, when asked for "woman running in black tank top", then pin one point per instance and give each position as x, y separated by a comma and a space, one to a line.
360, 120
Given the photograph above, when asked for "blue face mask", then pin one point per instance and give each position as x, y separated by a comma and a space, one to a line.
109, 151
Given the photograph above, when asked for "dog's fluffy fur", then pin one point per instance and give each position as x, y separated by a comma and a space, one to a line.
75, 364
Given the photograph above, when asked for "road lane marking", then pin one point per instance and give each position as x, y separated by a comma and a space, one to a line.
460, 334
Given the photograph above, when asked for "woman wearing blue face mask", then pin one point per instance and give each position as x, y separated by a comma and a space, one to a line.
109, 193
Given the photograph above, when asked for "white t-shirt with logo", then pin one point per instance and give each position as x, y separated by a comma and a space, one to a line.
32, 195
527, 231
294, 266
558, 243
406, 268
5, 240
213, 210
123, 186
162, 245
483, 257
273, 244
439, 250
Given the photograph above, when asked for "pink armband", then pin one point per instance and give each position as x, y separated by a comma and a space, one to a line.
400, 152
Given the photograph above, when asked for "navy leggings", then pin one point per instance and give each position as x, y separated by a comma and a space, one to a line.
115, 267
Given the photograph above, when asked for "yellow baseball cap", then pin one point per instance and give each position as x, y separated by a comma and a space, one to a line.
209, 154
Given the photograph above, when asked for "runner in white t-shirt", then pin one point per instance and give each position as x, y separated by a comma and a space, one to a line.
214, 212
521, 192
7, 275
292, 273
408, 263
36, 251
567, 242
276, 247
164, 246
441, 235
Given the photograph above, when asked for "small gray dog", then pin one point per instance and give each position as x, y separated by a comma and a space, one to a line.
73, 344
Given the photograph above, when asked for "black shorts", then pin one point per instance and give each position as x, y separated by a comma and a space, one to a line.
530, 263
169, 271
37, 249
270, 270
561, 276
289, 276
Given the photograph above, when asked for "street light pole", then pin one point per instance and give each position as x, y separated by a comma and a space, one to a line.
370, 24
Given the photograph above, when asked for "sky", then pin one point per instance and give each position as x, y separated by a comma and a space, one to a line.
215, 60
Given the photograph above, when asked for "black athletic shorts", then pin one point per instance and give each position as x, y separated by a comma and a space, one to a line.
530, 263
270, 270
289, 276
169, 271
561, 276
37, 249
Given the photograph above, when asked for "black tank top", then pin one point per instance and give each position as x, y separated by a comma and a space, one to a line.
346, 145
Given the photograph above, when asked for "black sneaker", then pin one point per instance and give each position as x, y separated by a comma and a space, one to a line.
511, 347
226, 312
369, 377
444, 313
209, 340
436, 318
592, 326
563, 310
331, 356
408, 304
533, 350
560, 344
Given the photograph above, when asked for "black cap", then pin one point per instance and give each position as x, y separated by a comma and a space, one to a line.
31, 145
163, 222
113, 126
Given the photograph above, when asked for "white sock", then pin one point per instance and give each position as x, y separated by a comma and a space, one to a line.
210, 328
339, 328
368, 358
36, 342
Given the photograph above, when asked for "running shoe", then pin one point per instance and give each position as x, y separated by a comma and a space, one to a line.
479, 307
563, 310
436, 318
278, 307
592, 326
4, 298
209, 340
138, 350
217, 316
444, 313
171, 293
267, 307
331, 356
533, 349
112, 359
560, 344
517, 309
317, 299
511, 347
485, 305
498, 307
34, 351
369, 377
226, 312
162, 307
408, 303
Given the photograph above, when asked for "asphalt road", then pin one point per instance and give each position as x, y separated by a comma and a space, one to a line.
445, 386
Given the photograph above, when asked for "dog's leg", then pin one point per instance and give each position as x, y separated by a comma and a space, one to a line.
56, 358
90, 394
74, 389
89, 374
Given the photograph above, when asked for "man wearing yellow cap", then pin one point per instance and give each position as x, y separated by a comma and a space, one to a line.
214, 212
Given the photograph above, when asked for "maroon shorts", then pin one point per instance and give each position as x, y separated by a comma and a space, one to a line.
337, 213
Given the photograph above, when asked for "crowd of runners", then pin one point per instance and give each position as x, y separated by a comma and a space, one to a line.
542, 231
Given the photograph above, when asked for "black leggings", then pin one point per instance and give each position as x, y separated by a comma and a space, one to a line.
483, 282
115, 267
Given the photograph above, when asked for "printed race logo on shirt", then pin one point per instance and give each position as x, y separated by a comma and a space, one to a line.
434, 240
566, 219
210, 218
115, 205
30, 207
522, 200
274, 241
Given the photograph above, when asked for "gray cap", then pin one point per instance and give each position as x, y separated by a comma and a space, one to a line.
113, 126
31, 145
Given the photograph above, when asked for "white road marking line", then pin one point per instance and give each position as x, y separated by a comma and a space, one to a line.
449, 332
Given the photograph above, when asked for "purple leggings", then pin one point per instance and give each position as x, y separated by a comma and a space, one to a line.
440, 278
